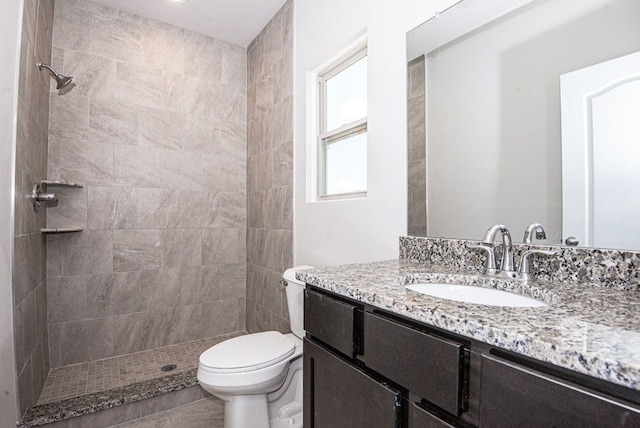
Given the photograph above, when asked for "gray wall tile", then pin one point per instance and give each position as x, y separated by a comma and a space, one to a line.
116, 38
112, 208
135, 250
160, 128
113, 122
269, 172
67, 299
89, 252
155, 128
136, 84
164, 50
93, 76
144, 167
86, 340
162, 208
181, 247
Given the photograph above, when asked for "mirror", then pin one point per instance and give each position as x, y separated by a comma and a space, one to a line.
484, 98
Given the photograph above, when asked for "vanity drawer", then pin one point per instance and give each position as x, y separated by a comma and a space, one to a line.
514, 395
331, 321
426, 365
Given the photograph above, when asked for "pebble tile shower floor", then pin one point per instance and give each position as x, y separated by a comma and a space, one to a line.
96, 376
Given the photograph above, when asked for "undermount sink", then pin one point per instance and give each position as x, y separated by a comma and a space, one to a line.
474, 294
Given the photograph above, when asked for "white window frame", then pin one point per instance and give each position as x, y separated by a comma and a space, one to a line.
324, 138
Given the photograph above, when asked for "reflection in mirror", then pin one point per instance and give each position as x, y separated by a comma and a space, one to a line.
492, 123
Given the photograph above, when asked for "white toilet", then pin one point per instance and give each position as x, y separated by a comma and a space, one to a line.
259, 375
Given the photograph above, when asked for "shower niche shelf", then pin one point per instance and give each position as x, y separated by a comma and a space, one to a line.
50, 197
60, 183
53, 230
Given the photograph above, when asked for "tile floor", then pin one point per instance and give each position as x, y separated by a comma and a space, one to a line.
96, 376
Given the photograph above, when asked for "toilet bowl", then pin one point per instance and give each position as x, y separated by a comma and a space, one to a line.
259, 375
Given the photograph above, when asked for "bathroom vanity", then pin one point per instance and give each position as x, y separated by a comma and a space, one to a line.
379, 355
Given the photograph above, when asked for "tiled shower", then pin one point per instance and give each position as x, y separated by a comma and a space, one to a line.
183, 144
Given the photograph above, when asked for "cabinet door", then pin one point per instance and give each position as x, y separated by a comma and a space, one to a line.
515, 396
339, 395
429, 366
331, 321
420, 418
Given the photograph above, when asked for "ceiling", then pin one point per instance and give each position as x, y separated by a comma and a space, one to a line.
235, 21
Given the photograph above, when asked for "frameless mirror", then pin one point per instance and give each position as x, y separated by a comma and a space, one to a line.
484, 118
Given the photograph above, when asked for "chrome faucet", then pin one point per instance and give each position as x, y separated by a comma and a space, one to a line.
506, 264
528, 233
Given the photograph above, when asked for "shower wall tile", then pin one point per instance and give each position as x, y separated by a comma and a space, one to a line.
221, 172
88, 164
211, 319
203, 56
167, 208
113, 122
174, 94
67, 299
202, 287
53, 256
198, 95
86, 253
118, 293
198, 135
225, 209
222, 245
86, 340
181, 247
69, 117
160, 128
156, 130
167, 285
26, 273
269, 175
139, 85
135, 250
44, 29
112, 208
70, 26
30, 20
232, 280
93, 76
145, 167
31, 220
234, 66
164, 50
283, 164
116, 38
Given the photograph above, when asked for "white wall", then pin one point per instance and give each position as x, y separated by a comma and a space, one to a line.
337, 232
10, 20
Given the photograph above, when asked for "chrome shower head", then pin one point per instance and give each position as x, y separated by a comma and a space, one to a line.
62, 81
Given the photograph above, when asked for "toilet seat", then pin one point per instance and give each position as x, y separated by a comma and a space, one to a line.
247, 353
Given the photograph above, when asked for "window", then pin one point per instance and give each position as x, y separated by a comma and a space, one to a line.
342, 128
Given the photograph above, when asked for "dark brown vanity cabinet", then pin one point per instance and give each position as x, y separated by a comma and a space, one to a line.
337, 392
429, 366
364, 367
340, 395
363, 370
513, 395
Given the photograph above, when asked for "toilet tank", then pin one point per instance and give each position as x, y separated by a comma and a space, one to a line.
295, 299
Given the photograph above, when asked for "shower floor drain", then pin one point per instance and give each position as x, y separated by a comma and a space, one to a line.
168, 367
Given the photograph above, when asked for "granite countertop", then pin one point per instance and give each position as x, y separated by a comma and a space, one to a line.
590, 329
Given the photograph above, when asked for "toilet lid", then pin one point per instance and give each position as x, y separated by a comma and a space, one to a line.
245, 353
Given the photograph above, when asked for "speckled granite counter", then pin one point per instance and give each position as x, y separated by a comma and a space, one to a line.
91, 403
592, 330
